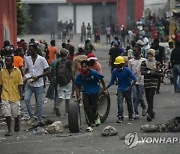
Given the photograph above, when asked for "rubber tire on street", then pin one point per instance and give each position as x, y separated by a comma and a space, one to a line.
102, 99
74, 119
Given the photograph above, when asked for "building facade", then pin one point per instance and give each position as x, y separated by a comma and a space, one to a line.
8, 21
47, 13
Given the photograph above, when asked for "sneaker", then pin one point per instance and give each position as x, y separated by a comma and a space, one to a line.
120, 120
144, 112
89, 129
136, 116
98, 121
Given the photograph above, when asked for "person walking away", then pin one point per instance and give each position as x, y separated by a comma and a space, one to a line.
108, 34
36, 67
138, 88
65, 80
88, 31
70, 26
10, 94
52, 52
175, 62
83, 32
113, 53
126, 80
52, 92
151, 72
89, 80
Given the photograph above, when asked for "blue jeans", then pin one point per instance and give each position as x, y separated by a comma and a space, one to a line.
38, 91
176, 77
138, 97
127, 96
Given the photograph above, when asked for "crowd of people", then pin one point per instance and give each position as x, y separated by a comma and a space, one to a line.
136, 70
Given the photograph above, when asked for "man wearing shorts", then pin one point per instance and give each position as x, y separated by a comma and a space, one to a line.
10, 93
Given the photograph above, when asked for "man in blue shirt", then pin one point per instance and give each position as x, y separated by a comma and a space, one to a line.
126, 80
89, 80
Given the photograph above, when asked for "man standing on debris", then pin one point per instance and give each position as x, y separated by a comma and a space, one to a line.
10, 93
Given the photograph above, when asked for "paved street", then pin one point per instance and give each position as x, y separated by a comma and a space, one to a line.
166, 106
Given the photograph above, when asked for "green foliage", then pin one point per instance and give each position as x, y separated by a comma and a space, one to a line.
22, 18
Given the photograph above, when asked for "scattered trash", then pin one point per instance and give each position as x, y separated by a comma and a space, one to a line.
39, 131
149, 128
109, 131
172, 125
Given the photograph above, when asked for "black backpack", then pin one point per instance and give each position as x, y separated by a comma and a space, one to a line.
63, 72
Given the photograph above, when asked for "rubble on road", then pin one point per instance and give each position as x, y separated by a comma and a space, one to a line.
55, 128
172, 125
109, 131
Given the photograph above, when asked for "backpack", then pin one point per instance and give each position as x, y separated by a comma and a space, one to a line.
63, 73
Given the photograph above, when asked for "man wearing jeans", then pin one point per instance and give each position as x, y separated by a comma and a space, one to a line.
35, 68
138, 88
126, 80
175, 60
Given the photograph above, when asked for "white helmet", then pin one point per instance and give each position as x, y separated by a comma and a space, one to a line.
81, 46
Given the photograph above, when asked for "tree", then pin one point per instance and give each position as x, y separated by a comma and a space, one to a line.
22, 18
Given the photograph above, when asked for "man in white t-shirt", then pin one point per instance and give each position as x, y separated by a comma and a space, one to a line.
35, 68
108, 35
138, 89
146, 46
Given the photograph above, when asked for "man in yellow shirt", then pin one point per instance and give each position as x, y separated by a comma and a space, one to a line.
10, 93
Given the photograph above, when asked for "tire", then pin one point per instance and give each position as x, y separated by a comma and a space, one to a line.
74, 119
103, 106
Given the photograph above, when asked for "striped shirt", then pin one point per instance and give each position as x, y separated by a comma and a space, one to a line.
150, 81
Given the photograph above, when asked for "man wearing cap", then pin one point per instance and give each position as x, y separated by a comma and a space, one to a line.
64, 90
126, 80
151, 71
36, 67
